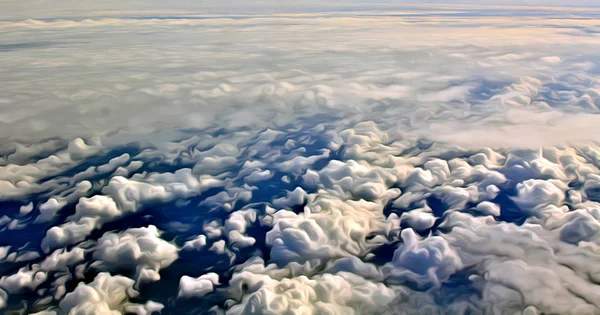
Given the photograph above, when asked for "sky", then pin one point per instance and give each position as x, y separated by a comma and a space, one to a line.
54, 8
300, 157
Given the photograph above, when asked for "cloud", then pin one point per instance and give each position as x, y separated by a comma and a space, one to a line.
90, 213
363, 161
139, 250
23, 280
343, 293
430, 261
105, 295
195, 243
3, 297
197, 287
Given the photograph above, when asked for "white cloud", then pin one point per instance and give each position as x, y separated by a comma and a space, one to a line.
3, 297
425, 149
196, 243
343, 293
428, 261
23, 280
140, 250
328, 228
197, 287
90, 213
105, 295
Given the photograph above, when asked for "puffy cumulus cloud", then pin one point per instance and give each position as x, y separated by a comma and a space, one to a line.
430, 261
3, 297
360, 180
229, 198
419, 220
149, 308
554, 296
235, 228
327, 228
20, 180
62, 258
196, 243
342, 293
90, 213
24, 279
299, 164
339, 163
580, 225
124, 196
105, 295
534, 195
501, 250
28, 279
488, 208
197, 287
140, 250
132, 193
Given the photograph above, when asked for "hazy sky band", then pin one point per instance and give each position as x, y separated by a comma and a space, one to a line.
55, 8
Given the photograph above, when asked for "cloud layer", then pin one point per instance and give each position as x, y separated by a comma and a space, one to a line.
342, 163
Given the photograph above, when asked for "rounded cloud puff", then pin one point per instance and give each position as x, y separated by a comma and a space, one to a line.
23, 280
133, 249
105, 295
343, 293
197, 287
424, 262
327, 228
90, 213
534, 195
